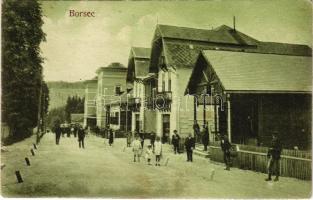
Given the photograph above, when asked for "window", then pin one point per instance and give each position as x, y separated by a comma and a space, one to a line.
117, 90
163, 82
169, 82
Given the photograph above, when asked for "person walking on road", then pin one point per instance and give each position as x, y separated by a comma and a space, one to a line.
81, 137
274, 157
136, 148
226, 146
58, 132
190, 145
205, 138
158, 151
111, 136
175, 141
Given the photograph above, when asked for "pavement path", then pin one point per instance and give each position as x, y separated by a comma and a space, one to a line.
101, 170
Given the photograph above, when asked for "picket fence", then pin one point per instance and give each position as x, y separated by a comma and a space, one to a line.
293, 163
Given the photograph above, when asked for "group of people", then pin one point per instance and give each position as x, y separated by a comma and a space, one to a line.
75, 129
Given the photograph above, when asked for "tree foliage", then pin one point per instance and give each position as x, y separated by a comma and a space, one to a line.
56, 115
74, 104
21, 67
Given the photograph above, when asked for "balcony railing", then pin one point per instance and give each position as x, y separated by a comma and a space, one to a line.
160, 101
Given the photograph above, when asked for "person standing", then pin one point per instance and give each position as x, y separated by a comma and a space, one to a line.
205, 138
142, 137
128, 139
152, 139
81, 137
111, 136
75, 130
149, 153
274, 157
58, 132
196, 129
225, 146
158, 151
175, 141
190, 145
136, 148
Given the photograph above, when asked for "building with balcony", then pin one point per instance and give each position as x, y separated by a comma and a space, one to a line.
111, 85
174, 53
138, 70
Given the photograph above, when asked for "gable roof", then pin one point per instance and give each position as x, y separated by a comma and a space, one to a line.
138, 63
141, 52
221, 34
255, 72
182, 45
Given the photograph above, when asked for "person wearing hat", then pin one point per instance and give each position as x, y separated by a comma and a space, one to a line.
273, 155
226, 146
190, 145
81, 137
175, 141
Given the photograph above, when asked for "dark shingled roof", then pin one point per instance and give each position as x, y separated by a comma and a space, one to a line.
255, 72
222, 34
182, 45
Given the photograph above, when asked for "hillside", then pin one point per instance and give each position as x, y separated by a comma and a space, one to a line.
60, 91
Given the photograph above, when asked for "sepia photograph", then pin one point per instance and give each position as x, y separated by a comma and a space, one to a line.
156, 99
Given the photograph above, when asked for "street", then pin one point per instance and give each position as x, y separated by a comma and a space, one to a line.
104, 171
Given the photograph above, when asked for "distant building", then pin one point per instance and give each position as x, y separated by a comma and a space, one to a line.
258, 94
138, 70
111, 85
90, 106
77, 118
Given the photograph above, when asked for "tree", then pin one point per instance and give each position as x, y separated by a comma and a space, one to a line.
21, 67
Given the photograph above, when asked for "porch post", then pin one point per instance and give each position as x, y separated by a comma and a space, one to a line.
204, 113
228, 117
194, 109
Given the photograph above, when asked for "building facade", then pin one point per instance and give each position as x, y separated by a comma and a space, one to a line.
138, 70
258, 94
111, 85
90, 105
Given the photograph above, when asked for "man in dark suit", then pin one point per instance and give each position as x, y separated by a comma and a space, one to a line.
175, 141
81, 137
226, 146
274, 157
190, 145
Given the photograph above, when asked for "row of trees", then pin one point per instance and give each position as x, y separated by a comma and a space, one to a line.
74, 104
62, 114
25, 96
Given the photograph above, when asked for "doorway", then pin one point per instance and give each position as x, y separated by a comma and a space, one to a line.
165, 128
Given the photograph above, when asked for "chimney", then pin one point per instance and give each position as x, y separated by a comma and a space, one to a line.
234, 23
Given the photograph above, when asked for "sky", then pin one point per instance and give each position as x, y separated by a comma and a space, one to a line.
77, 47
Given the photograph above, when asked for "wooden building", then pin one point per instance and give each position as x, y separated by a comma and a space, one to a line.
257, 94
174, 52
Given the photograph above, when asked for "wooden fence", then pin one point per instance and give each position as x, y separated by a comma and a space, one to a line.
292, 164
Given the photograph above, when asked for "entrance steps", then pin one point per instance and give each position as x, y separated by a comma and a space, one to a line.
199, 151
